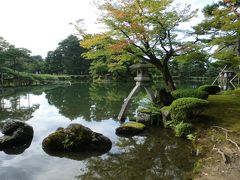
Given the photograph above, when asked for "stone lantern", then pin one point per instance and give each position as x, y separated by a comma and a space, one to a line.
143, 80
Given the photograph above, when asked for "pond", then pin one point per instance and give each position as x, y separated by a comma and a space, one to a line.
155, 154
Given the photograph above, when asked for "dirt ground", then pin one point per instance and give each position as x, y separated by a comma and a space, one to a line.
220, 155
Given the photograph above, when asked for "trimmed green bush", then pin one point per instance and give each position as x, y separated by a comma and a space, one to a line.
181, 93
185, 109
211, 89
182, 129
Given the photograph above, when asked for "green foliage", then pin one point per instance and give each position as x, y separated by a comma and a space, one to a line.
29, 78
185, 109
139, 30
220, 28
66, 58
182, 129
192, 64
191, 137
98, 69
211, 89
180, 93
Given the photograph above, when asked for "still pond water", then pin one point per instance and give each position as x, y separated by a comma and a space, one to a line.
156, 154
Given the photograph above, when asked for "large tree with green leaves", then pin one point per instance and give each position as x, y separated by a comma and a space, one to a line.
221, 28
66, 58
140, 30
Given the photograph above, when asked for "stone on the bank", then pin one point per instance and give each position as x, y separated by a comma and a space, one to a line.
130, 128
165, 115
16, 133
148, 117
75, 138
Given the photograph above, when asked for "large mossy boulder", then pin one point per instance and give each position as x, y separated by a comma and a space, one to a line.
75, 138
130, 128
17, 137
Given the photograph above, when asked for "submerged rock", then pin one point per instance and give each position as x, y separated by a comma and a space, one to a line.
17, 137
75, 138
130, 128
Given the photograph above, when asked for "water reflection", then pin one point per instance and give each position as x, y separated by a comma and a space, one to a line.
17, 107
157, 154
91, 102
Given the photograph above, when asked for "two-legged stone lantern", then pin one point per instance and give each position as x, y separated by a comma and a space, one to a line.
143, 80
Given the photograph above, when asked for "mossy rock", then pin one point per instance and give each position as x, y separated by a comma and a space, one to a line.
166, 116
130, 128
148, 116
75, 138
17, 136
144, 110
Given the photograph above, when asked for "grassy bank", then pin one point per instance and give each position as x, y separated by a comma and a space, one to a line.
219, 157
224, 110
13, 78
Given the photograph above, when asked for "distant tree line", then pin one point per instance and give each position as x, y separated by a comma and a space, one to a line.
65, 59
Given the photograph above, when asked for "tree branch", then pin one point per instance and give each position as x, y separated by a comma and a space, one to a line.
132, 42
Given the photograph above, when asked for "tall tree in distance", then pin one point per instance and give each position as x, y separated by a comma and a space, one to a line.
66, 58
221, 28
140, 30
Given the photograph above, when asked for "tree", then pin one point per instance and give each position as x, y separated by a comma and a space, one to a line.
193, 64
140, 30
220, 28
66, 58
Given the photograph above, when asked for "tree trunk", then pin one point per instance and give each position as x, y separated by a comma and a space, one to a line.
167, 77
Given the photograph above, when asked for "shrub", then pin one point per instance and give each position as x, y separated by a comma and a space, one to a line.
181, 93
211, 89
182, 129
184, 109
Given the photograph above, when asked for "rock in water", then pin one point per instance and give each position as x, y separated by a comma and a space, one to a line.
75, 138
130, 128
16, 134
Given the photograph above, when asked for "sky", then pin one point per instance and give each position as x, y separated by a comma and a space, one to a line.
39, 25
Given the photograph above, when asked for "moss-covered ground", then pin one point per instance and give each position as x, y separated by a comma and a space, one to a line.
222, 114
224, 110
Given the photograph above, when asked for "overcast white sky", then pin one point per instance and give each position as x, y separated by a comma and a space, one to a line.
39, 25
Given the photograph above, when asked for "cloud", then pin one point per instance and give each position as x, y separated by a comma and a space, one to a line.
39, 25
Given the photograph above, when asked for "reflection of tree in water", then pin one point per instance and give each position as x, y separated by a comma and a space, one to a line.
92, 102
107, 99
157, 156
15, 111
72, 101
